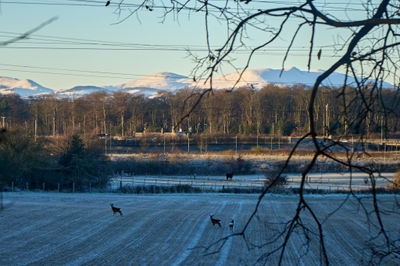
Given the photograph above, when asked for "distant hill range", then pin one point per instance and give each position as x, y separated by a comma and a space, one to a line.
23, 88
156, 84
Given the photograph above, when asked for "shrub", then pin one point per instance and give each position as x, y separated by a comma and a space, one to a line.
396, 180
278, 182
154, 189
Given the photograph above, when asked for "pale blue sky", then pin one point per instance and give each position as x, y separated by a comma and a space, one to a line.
53, 68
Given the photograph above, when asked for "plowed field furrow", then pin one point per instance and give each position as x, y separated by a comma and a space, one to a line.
104, 235
173, 229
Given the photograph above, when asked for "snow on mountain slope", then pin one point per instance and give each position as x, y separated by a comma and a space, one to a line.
147, 92
165, 81
149, 86
24, 88
155, 84
260, 77
79, 91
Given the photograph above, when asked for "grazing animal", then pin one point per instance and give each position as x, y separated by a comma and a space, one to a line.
231, 224
215, 221
229, 176
107, 3
115, 209
319, 54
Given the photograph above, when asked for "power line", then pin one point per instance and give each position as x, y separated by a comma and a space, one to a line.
328, 7
88, 44
113, 75
61, 74
81, 41
72, 70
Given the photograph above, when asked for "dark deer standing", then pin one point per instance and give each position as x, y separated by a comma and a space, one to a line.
115, 209
231, 224
215, 221
229, 176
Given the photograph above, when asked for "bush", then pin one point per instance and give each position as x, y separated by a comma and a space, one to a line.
153, 189
278, 182
396, 180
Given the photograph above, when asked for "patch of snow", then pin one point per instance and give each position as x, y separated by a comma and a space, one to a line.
24, 88
154, 85
161, 81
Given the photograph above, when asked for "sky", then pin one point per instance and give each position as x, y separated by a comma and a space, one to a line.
88, 44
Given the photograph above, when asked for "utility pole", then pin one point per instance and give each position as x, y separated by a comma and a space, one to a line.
110, 143
35, 129
381, 130
105, 143
236, 142
122, 124
164, 142
3, 125
257, 139
54, 126
188, 142
327, 120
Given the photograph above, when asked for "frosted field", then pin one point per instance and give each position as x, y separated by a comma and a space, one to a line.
324, 181
74, 229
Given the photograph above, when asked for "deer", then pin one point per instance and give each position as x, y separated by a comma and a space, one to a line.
229, 176
231, 224
215, 221
115, 209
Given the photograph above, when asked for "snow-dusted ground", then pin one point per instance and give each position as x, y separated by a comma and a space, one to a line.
325, 181
74, 229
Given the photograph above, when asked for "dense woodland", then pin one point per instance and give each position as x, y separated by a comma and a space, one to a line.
74, 159
272, 110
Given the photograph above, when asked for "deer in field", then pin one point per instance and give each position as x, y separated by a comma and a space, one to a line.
115, 209
229, 176
215, 221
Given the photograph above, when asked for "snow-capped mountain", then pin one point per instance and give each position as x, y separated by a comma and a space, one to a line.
156, 84
149, 86
258, 78
165, 81
24, 88
79, 91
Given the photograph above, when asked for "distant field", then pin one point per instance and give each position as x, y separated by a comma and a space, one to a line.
321, 181
74, 229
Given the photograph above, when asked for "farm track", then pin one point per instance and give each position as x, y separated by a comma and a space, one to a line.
76, 229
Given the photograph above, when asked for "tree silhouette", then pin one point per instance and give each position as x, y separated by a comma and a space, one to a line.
367, 51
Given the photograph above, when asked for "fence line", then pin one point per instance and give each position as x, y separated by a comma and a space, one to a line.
219, 184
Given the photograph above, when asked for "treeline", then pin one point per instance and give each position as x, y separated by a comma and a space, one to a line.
67, 163
272, 110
